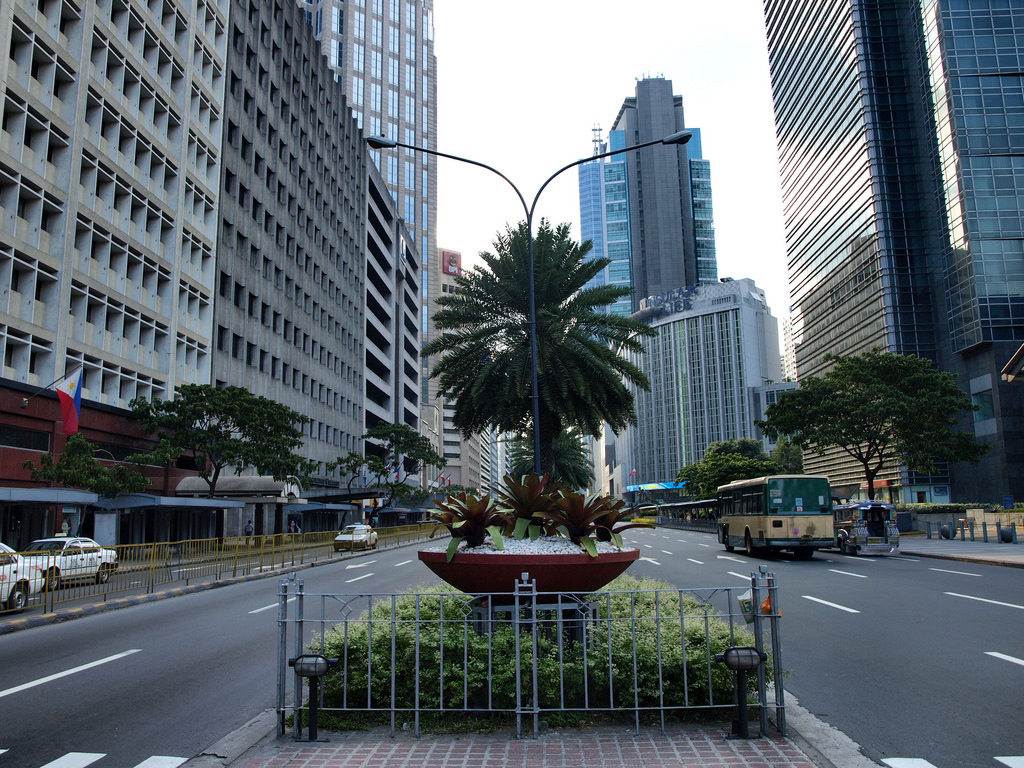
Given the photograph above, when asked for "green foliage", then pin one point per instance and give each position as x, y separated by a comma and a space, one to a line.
879, 408
724, 462
573, 465
484, 346
222, 428
350, 465
527, 498
398, 451
78, 467
788, 457
378, 654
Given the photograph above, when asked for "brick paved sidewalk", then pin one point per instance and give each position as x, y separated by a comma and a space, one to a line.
604, 747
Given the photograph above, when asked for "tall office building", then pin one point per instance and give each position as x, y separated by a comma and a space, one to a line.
901, 143
667, 197
382, 55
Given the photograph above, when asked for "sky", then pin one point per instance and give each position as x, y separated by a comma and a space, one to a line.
522, 85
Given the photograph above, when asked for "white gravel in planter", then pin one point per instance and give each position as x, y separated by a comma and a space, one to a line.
545, 545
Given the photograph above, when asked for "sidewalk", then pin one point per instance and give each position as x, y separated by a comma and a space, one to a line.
989, 553
681, 746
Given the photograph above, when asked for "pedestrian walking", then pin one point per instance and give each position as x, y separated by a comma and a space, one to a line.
248, 533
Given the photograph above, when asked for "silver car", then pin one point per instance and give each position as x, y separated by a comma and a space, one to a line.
355, 536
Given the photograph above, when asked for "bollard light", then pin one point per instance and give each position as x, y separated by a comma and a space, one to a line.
312, 666
741, 659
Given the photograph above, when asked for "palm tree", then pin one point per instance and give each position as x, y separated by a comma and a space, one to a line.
573, 465
485, 364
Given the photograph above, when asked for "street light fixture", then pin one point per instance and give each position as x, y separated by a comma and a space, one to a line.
381, 142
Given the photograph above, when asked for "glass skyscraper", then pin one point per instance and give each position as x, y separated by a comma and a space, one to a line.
649, 211
901, 144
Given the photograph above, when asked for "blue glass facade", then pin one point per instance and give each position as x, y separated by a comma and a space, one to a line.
901, 144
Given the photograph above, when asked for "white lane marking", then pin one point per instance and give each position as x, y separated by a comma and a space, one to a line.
666, 552
1004, 657
830, 605
907, 762
358, 578
959, 573
984, 600
739, 575
730, 557
161, 761
703, 545
404, 562
698, 562
58, 675
272, 605
1013, 762
75, 760
847, 573
360, 565
650, 560
905, 559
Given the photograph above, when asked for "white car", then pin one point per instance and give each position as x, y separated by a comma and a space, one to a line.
355, 536
72, 559
17, 580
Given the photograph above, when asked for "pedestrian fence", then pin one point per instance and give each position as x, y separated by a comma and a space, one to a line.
650, 654
144, 568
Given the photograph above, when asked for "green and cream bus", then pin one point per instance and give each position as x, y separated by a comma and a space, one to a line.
775, 513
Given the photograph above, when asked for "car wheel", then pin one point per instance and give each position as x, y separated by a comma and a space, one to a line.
103, 574
18, 598
51, 580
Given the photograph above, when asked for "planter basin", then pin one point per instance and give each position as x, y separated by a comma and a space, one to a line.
480, 574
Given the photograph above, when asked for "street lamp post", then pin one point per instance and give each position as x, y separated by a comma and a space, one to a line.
380, 142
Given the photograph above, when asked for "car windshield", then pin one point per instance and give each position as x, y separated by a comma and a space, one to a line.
352, 528
45, 546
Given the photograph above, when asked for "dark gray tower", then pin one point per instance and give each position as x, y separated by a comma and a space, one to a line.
660, 207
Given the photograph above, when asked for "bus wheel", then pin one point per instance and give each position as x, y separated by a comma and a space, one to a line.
803, 553
748, 543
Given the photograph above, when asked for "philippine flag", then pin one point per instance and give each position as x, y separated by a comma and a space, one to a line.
70, 393
632, 473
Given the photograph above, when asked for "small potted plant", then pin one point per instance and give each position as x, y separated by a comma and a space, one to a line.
566, 541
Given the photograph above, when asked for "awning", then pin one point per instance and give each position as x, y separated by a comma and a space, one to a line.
1015, 366
148, 500
315, 506
46, 496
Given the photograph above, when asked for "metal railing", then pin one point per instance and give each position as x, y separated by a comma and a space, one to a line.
524, 654
144, 568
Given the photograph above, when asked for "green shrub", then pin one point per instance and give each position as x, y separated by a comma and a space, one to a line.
479, 670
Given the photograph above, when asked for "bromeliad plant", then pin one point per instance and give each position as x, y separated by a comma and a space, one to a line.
469, 518
533, 506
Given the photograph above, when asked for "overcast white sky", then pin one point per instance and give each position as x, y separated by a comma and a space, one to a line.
522, 84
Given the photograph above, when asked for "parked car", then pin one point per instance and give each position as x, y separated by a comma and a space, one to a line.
72, 559
355, 536
17, 580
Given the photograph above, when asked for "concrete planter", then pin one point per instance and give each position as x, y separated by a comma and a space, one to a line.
480, 574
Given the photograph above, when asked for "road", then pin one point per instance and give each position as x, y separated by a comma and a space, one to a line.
909, 657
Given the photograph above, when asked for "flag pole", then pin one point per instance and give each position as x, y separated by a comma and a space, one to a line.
24, 400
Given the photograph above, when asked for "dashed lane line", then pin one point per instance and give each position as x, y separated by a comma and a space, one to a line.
830, 605
986, 600
66, 673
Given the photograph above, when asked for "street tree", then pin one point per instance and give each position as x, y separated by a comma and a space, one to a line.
879, 409
788, 456
78, 467
349, 466
485, 364
723, 463
573, 466
225, 428
399, 451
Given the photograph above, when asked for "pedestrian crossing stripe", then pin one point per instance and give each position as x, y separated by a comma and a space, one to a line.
917, 762
83, 759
